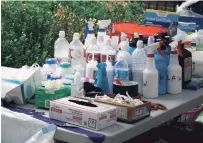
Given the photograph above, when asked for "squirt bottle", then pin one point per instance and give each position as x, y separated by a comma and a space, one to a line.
90, 33
150, 74
174, 70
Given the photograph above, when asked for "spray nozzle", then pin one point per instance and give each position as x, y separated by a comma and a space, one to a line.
176, 45
156, 46
104, 23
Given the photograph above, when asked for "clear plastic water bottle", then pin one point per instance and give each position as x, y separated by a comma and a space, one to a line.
61, 48
138, 64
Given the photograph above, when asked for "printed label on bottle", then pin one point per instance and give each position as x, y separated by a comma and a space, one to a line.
187, 69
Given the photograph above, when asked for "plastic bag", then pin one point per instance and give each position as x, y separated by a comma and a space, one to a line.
45, 135
18, 127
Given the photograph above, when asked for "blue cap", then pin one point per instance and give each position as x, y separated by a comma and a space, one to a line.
51, 61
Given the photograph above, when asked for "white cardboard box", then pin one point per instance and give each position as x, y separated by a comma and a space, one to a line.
18, 86
95, 118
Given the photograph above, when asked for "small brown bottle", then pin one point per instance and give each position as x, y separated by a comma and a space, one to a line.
185, 61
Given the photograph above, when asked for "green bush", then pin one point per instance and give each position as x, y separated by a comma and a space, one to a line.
29, 29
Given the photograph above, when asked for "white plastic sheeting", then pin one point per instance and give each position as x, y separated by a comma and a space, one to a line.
19, 128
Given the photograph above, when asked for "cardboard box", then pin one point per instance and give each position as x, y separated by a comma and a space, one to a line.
19, 86
44, 96
95, 118
128, 113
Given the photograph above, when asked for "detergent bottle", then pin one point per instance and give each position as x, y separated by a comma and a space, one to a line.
103, 24
133, 43
107, 50
138, 64
121, 70
91, 68
109, 71
150, 74
93, 48
124, 55
185, 61
61, 48
174, 82
90, 33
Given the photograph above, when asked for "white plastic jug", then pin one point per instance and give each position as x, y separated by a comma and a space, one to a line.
93, 49
138, 64
109, 71
91, 68
61, 47
76, 47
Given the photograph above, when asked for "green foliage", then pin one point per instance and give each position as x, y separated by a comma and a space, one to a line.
30, 28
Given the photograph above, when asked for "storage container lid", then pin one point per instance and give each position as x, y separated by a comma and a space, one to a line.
65, 65
51, 61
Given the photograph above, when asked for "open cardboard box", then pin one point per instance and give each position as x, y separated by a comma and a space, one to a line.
82, 112
125, 112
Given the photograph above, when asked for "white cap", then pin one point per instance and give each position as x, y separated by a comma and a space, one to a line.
136, 35
94, 41
108, 41
150, 40
62, 34
100, 38
124, 46
76, 36
139, 44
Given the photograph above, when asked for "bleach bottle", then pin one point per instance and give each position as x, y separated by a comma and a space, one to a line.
61, 48
133, 43
174, 82
91, 68
109, 71
150, 74
138, 64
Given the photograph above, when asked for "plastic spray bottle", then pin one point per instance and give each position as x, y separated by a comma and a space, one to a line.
150, 74
61, 48
103, 24
138, 64
90, 33
174, 82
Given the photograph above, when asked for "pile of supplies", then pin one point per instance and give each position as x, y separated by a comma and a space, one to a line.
94, 84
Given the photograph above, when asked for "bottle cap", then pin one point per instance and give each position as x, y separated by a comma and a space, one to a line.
51, 61
139, 44
62, 34
76, 36
65, 65
94, 41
